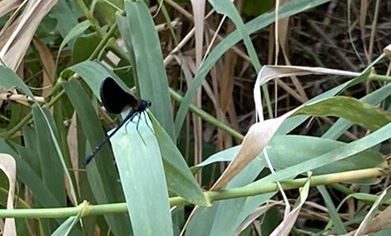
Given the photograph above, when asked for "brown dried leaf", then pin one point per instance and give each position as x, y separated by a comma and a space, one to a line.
381, 221
261, 133
9, 5
23, 31
48, 64
254, 142
8, 166
285, 227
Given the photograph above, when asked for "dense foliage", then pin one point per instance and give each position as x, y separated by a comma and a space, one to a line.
314, 157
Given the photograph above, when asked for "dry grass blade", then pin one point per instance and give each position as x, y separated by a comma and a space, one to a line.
198, 13
23, 30
8, 166
286, 225
381, 221
254, 216
8, 5
48, 64
367, 222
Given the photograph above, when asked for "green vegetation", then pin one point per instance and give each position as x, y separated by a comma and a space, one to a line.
313, 158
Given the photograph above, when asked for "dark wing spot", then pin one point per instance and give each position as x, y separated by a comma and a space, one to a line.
114, 98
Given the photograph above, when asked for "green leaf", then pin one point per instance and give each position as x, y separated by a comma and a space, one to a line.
179, 178
148, 63
101, 172
93, 73
73, 33
288, 150
336, 220
363, 114
66, 227
65, 16
225, 216
84, 47
342, 125
140, 167
294, 121
53, 177
227, 7
11, 80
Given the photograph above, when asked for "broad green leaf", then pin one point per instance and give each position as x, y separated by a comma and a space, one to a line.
224, 155
363, 114
29, 150
286, 151
140, 167
65, 16
11, 80
373, 98
51, 133
83, 48
53, 177
148, 63
101, 172
93, 73
289, 150
179, 178
73, 33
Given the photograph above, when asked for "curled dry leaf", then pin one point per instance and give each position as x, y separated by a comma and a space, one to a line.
262, 132
254, 142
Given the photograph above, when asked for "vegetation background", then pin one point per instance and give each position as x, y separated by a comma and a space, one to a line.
314, 158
